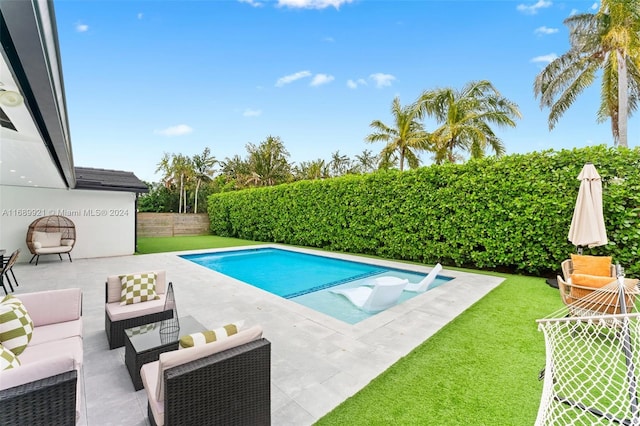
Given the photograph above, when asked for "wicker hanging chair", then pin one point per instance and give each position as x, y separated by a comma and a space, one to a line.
52, 225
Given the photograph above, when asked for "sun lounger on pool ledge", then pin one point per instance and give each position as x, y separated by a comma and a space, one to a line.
423, 285
420, 287
376, 298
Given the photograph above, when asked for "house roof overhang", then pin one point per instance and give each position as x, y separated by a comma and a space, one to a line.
38, 152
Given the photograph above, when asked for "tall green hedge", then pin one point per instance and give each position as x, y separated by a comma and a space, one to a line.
511, 213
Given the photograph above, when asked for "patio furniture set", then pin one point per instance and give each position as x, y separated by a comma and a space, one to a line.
191, 374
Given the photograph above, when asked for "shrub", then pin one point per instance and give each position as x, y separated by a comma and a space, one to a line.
511, 213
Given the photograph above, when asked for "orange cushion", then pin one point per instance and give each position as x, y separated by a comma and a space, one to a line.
584, 280
591, 265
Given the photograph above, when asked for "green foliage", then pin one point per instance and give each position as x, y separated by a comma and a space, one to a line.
511, 213
159, 199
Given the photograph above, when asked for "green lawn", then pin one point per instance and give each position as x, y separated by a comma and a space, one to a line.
480, 369
165, 244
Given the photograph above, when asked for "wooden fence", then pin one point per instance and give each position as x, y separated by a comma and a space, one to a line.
172, 224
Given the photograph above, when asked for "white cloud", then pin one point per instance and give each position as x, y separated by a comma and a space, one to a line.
594, 6
573, 12
533, 9
545, 30
140, 15
382, 80
312, 4
328, 39
179, 130
545, 58
353, 84
320, 79
292, 77
253, 3
252, 112
82, 28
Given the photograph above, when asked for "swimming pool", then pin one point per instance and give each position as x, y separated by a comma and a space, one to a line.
304, 278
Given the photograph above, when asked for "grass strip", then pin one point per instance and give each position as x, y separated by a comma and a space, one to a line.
148, 245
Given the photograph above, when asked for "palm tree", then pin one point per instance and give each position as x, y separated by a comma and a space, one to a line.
465, 117
203, 171
339, 164
366, 161
182, 168
268, 162
609, 41
404, 139
311, 170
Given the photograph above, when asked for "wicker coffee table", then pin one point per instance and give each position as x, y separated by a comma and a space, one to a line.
145, 343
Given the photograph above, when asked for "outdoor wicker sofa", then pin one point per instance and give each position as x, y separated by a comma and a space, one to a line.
44, 388
118, 318
203, 386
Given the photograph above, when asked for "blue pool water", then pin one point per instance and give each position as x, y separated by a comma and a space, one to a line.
304, 278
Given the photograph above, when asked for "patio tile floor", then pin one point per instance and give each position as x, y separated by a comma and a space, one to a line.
317, 361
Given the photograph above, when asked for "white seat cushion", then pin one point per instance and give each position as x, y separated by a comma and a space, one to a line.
53, 332
53, 250
118, 312
70, 347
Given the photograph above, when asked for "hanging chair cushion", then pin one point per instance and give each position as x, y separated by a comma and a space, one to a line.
46, 239
137, 288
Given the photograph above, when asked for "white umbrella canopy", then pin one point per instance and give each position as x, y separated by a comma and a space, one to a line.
587, 225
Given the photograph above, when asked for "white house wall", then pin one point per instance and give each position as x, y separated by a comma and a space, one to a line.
105, 220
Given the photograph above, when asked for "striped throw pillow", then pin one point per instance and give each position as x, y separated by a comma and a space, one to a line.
8, 359
138, 288
16, 326
204, 337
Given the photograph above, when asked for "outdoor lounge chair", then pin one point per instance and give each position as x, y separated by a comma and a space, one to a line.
376, 298
225, 382
423, 285
419, 287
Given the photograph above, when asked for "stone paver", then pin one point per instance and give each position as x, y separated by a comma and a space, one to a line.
317, 361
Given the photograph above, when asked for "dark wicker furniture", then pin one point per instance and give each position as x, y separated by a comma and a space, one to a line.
115, 329
147, 347
228, 388
50, 401
54, 223
7, 267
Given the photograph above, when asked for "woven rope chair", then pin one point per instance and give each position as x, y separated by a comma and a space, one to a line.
51, 225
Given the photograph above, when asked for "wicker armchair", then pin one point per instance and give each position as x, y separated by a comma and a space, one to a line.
51, 235
49, 401
583, 300
231, 387
138, 314
567, 269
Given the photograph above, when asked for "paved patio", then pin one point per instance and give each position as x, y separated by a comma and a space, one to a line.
317, 361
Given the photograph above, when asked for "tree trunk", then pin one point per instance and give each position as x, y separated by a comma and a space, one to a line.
181, 192
623, 101
195, 202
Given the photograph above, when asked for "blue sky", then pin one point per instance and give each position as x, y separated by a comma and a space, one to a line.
147, 77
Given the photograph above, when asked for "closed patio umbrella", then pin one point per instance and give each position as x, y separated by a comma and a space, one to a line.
587, 225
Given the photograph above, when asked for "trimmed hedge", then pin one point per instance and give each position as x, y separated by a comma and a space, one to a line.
511, 213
